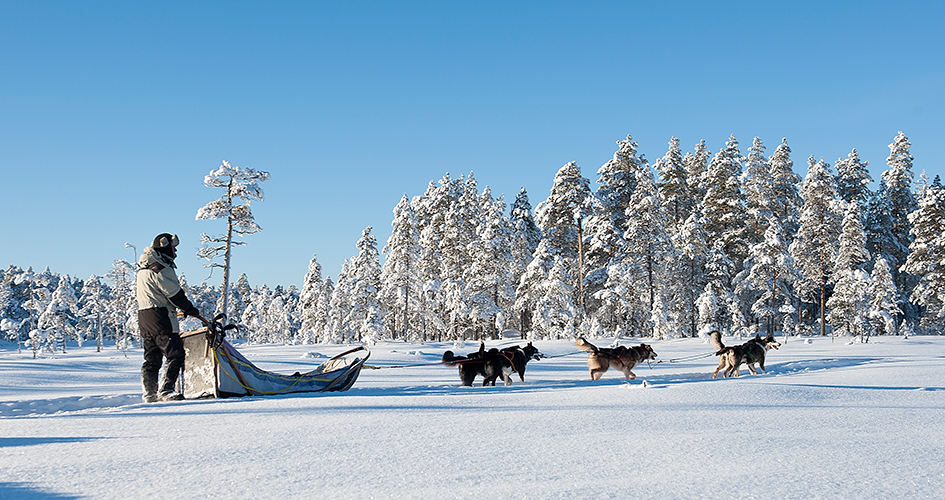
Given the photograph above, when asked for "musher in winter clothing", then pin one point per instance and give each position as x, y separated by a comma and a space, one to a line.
159, 296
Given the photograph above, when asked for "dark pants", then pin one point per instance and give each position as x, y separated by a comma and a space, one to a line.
156, 347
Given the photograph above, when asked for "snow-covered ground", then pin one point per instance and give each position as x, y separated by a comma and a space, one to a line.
830, 419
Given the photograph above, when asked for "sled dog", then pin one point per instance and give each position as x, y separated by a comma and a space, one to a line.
749, 353
517, 357
622, 359
492, 364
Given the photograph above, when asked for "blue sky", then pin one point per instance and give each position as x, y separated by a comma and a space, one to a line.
111, 113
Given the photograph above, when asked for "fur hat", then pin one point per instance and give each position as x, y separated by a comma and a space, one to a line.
165, 243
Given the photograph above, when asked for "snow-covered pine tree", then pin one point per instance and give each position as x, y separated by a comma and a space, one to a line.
93, 301
884, 310
529, 286
616, 179
525, 239
649, 248
35, 303
240, 184
614, 300
561, 217
308, 303
724, 205
364, 275
489, 285
815, 246
59, 313
555, 313
400, 275
123, 302
759, 192
696, 164
847, 306
675, 193
277, 320
523, 221
786, 199
927, 256
688, 276
323, 312
606, 219
898, 179
769, 273
879, 236
853, 180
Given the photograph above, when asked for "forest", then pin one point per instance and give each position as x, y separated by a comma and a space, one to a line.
692, 242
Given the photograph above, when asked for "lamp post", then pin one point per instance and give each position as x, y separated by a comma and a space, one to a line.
129, 245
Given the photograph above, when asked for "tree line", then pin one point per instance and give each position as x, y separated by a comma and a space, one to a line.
695, 241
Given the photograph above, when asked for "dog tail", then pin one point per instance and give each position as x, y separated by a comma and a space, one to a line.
716, 339
585, 345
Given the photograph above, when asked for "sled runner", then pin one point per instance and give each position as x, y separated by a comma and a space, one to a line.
214, 368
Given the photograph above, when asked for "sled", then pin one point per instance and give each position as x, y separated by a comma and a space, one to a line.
215, 369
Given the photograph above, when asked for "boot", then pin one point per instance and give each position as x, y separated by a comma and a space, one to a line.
149, 385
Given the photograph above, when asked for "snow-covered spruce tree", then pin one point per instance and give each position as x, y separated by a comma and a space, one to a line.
758, 191
529, 287
364, 276
612, 315
308, 303
252, 317
898, 179
433, 210
561, 217
323, 312
786, 199
606, 220
884, 310
35, 304
400, 275
555, 313
719, 274
724, 205
688, 276
880, 241
525, 239
847, 306
697, 163
708, 311
459, 232
927, 256
124, 303
853, 180
10, 325
523, 221
662, 324
769, 273
673, 183
815, 246
649, 248
241, 187
59, 313
616, 179
93, 301
489, 285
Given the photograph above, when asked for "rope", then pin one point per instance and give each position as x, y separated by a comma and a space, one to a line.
454, 362
687, 358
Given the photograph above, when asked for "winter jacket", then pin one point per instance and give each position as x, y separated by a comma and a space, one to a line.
159, 294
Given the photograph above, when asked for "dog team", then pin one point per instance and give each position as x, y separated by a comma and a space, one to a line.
496, 363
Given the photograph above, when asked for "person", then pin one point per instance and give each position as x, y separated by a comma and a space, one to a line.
159, 296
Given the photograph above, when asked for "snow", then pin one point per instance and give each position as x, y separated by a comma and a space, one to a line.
830, 419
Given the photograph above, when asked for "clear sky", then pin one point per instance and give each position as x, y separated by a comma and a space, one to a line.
112, 113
